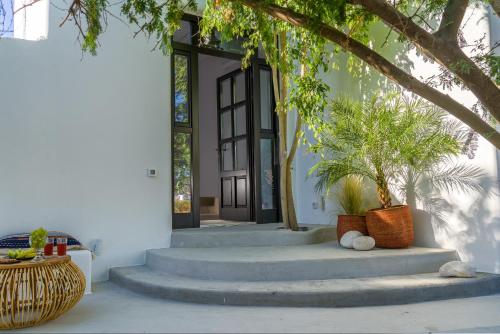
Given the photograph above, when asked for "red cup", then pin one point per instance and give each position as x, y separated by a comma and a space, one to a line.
62, 244
48, 250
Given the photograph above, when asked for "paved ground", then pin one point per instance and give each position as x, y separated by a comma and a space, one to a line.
112, 309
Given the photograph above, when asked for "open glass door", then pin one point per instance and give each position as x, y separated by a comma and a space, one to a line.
246, 139
266, 162
234, 146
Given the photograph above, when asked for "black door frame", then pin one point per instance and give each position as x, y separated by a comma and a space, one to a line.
192, 50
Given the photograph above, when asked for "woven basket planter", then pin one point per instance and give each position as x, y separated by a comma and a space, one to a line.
346, 223
391, 227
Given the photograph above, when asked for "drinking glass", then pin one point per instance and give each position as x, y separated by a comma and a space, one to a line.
48, 250
62, 246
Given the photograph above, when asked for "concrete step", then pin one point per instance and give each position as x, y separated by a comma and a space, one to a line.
251, 235
294, 263
402, 289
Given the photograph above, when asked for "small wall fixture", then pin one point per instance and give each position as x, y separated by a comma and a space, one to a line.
96, 246
151, 172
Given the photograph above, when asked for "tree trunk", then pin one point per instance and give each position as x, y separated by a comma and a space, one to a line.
283, 185
292, 216
383, 192
385, 67
280, 88
282, 137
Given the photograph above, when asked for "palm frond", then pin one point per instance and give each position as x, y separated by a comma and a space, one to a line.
388, 136
329, 172
456, 178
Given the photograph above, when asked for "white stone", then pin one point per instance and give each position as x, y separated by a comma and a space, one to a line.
457, 269
348, 238
363, 243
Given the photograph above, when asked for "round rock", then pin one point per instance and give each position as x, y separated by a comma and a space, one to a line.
457, 269
348, 238
363, 243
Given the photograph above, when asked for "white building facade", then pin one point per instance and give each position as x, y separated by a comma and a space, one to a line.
77, 134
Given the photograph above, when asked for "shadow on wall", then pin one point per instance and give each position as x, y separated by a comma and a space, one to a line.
470, 230
482, 233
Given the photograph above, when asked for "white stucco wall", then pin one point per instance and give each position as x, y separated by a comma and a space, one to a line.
76, 136
472, 220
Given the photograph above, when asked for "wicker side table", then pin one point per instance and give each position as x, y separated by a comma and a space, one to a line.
35, 292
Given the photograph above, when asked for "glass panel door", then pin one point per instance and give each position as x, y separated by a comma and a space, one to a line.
266, 164
233, 104
266, 100
267, 177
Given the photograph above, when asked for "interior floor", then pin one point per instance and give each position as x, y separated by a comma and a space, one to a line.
223, 223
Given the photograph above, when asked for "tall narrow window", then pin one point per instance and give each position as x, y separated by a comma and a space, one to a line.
181, 89
182, 172
182, 138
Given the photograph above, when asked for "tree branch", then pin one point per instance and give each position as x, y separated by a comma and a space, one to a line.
298, 123
296, 137
495, 4
451, 20
397, 20
26, 5
383, 66
441, 50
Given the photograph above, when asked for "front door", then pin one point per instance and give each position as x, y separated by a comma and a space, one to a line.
247, 141
234, 151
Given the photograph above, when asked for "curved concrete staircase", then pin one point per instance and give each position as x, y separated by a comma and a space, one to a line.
263, 265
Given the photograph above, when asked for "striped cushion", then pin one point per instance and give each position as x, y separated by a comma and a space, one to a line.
21, 240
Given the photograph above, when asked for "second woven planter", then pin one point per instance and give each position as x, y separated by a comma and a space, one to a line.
391, 227
346, 223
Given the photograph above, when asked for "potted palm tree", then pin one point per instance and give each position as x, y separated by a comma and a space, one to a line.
351, 199
377, 139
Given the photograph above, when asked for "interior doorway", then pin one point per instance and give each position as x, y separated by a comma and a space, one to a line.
216, 122
224, 135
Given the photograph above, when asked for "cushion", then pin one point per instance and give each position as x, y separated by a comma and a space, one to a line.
21, 240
